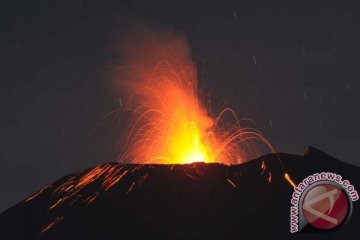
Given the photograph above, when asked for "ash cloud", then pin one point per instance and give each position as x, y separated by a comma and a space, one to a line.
139, 49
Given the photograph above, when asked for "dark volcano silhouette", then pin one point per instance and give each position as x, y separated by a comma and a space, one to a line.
194, 201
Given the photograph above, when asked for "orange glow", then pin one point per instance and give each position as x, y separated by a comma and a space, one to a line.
289, 180
35, 195
170, 126
169, 123
269, 177
54, 222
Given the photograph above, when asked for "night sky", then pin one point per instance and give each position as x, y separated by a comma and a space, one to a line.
293, 68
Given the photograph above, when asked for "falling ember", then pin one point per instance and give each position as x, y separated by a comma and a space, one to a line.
289, 180
35, 195
108, 174
190, 176
263, 167
142, 180
231, 183
169, 124
130, 188
56, 220
57, 203
269, 177
113, 177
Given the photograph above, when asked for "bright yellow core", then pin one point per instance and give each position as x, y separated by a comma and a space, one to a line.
188, 145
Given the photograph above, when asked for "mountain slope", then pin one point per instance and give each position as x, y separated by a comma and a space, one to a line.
194, 201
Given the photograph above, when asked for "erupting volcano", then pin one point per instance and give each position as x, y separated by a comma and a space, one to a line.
161, 201
181, 172
169, 122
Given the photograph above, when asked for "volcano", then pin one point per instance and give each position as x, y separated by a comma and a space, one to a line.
190, 201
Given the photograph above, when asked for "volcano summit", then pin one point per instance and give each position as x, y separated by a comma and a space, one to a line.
158, 201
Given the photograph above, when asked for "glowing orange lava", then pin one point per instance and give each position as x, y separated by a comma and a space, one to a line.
170, 126
289, 180
169, 123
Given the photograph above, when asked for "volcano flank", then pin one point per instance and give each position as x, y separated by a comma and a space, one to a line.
191, 201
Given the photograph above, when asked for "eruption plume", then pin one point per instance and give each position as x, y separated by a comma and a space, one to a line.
169, 123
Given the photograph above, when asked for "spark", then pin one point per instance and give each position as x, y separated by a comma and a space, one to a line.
142, 180
130, 188
54, 222
199, 172
169, 120
108, 174
92, 197
289, 180
113, 177
263, 167
269, 178
35, 195
76, 198
231, 183
190, 176
170, 126
57, 203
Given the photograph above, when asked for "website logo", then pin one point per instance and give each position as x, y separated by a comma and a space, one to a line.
322, 202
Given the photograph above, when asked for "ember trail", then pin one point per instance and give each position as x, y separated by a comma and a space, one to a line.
169, 123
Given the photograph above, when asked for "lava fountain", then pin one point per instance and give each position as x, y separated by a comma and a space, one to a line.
169, 122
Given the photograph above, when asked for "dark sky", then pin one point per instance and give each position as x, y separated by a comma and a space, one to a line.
54, 55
